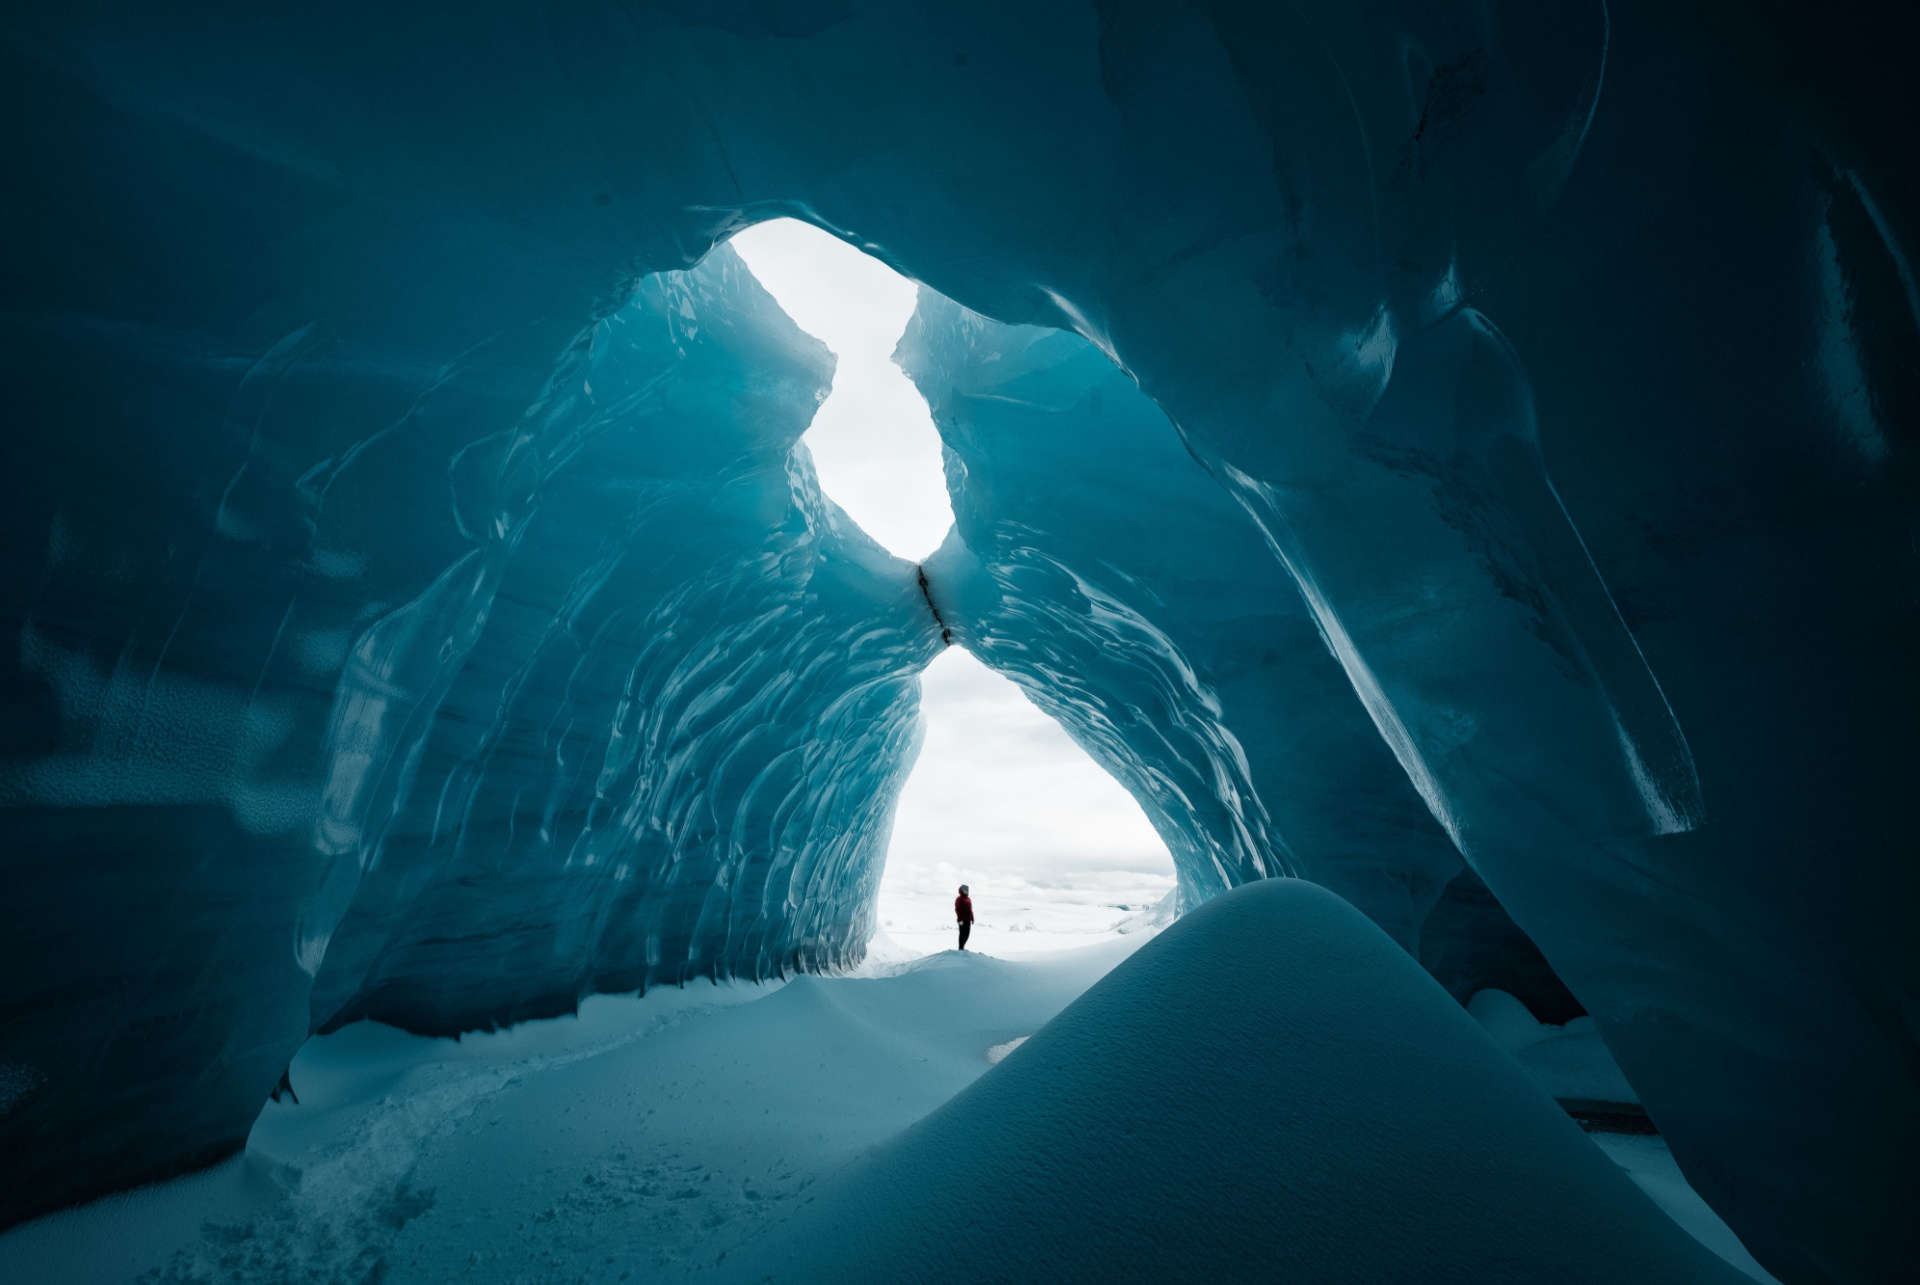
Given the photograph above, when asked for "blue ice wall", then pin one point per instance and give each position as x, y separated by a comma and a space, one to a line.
671, 744
1561, 353
465, 720
1096, 563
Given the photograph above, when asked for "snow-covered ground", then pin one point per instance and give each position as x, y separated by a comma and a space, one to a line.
657, 1132
1017, 922
694, 1133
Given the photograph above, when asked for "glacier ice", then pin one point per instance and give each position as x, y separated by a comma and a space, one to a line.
649, 727
670, 743
1559, 357
1200, 683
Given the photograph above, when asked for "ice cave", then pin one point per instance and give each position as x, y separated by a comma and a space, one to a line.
1448, 466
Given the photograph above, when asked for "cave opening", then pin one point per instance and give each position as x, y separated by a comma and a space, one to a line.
873, 441
1057, 852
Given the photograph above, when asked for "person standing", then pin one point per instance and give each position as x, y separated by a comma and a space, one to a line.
963, 911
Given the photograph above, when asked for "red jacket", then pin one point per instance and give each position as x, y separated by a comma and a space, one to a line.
963, 908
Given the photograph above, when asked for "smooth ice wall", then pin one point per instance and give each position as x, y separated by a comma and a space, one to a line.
595, 697
1378, 264
674, 744
1097, 563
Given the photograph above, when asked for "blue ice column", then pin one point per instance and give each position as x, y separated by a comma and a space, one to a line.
675, 741
1097, 564
440, 691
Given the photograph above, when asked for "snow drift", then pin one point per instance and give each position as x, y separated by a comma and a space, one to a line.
658, 1139
1338, 1118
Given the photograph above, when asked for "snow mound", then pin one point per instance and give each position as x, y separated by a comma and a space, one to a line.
1570, 1062
1328, 1116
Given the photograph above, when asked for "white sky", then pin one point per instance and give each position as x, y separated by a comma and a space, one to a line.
1001, 798
873, 442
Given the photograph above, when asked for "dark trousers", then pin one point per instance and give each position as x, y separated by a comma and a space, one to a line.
966, 926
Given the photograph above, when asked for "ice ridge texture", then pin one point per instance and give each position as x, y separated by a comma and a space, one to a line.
1095, 562
1559, 355
1175, 649
610, 698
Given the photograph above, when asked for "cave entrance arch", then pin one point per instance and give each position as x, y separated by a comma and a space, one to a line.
1000, 796
1056, 852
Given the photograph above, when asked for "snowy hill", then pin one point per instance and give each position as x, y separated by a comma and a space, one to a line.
1331, 1116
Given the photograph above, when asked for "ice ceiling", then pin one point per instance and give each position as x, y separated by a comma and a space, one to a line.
1461, 454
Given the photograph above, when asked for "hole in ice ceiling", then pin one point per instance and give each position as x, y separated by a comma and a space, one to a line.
873, 442
1056, 852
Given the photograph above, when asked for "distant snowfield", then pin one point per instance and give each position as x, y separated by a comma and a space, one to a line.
919, 924
706, 1132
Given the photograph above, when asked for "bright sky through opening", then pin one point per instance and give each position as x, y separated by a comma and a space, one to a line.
1056, 852
1001, 799
873, 442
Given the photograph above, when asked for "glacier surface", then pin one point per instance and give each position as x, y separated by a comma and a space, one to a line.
1507, 520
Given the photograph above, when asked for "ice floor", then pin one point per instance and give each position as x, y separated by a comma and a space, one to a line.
647, 1139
